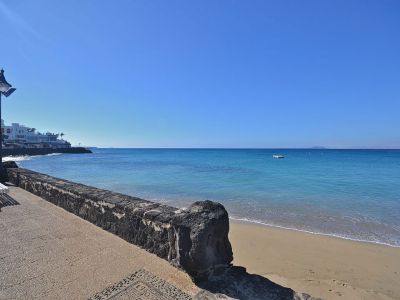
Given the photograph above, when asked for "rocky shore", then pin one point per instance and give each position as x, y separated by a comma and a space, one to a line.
43, 151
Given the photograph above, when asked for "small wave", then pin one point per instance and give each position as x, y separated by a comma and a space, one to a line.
17, 158
314, 232
27, 157
51, 154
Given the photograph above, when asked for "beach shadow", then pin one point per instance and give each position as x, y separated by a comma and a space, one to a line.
236, 283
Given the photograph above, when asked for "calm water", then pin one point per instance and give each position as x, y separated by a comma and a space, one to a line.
348, 193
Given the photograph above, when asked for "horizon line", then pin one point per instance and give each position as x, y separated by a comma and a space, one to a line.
240, 148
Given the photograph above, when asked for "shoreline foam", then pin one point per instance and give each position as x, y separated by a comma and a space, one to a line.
260, 223
17, 158
27, 157
323, 266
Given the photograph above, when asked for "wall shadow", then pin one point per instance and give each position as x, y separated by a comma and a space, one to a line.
236, 283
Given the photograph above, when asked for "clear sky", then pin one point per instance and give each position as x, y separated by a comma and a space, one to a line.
205, 73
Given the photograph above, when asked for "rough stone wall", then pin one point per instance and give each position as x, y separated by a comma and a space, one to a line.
195, 239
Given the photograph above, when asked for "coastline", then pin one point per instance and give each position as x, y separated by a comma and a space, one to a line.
332, 235
323, 266
320, 265
326, 199
43, 151
234, 219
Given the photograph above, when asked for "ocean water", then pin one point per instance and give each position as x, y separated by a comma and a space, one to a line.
353, 194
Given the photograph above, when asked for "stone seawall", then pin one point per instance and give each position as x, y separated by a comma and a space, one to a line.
43, 151
195, 239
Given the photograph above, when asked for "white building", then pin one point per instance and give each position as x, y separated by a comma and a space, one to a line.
20, 136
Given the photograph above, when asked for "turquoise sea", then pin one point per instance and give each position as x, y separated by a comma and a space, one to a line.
352, 194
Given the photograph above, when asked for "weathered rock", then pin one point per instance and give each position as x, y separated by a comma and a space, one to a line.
204, 248
195, 239
3, 173
9, 164
43, 151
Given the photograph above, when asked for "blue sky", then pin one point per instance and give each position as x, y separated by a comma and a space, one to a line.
205, 73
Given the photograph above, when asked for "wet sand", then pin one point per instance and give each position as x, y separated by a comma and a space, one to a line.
323, 266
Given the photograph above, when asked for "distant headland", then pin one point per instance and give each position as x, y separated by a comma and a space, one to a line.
18, 139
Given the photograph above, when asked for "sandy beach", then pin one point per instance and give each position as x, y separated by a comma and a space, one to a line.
323, 266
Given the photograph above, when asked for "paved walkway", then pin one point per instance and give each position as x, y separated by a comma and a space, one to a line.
48, 253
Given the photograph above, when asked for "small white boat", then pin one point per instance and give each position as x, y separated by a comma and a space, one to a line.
278, 156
